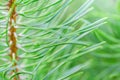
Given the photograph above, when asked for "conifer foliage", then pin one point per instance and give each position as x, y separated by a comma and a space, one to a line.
38, 42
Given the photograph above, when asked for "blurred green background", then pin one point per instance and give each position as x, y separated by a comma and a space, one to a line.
105, 62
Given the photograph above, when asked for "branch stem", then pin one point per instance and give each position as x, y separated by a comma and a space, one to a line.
12, 36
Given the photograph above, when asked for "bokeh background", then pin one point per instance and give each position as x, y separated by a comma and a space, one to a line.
105, 62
